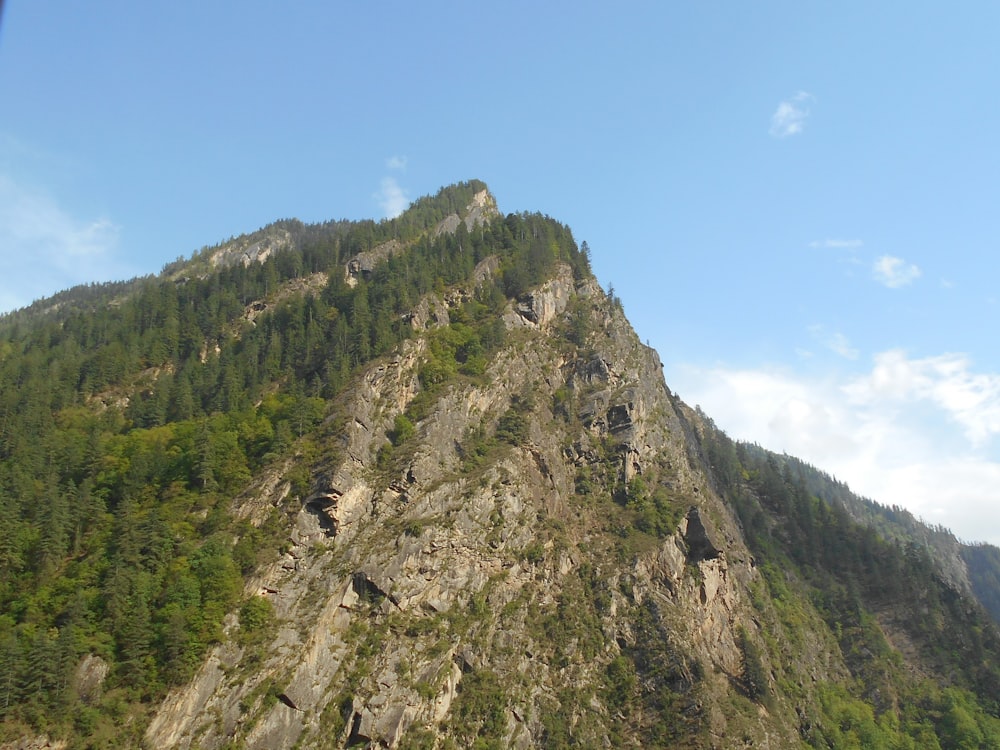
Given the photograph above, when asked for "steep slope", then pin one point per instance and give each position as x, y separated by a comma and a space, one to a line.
543, 559
418, 484
982, 563
461, 582
975, 569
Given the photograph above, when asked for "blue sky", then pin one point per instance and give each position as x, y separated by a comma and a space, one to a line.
796, 201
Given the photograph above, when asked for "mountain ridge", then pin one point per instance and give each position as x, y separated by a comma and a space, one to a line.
405, 484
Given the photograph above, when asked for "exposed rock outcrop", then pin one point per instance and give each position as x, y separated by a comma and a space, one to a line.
480, 210
362, 264
88, 679
540, 307
34, 743
417, 581
255, 248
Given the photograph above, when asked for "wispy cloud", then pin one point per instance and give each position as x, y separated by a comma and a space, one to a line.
790, 116
396, 162
837, 244
968, 399
45, 249
836, 342
392, 198
915, 432
894, 272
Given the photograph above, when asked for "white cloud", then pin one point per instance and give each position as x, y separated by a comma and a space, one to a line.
837, 244
894, 272
790, 116
45, 249
392, 198
396, 162
970, 400
918, 433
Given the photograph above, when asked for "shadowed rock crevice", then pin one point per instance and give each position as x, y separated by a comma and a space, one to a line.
368, 591
321, 507
699, 539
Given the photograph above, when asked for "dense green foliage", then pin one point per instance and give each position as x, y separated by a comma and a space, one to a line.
983, 561
863, 584
132, 415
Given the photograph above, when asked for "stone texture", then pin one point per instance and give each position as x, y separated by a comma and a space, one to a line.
88, 679
400, 582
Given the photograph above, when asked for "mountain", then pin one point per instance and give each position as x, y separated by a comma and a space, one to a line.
418, 484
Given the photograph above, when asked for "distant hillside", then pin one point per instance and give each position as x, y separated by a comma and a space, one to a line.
983, 565
974, 569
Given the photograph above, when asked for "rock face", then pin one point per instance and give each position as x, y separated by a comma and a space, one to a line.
362, 264
89, 678
480, 210
538, 308
255, 248
34, 743
478, 580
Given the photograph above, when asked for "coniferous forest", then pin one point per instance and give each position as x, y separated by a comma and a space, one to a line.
131, 414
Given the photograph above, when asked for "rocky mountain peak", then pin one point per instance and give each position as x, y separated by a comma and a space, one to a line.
481, 209
418, 484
